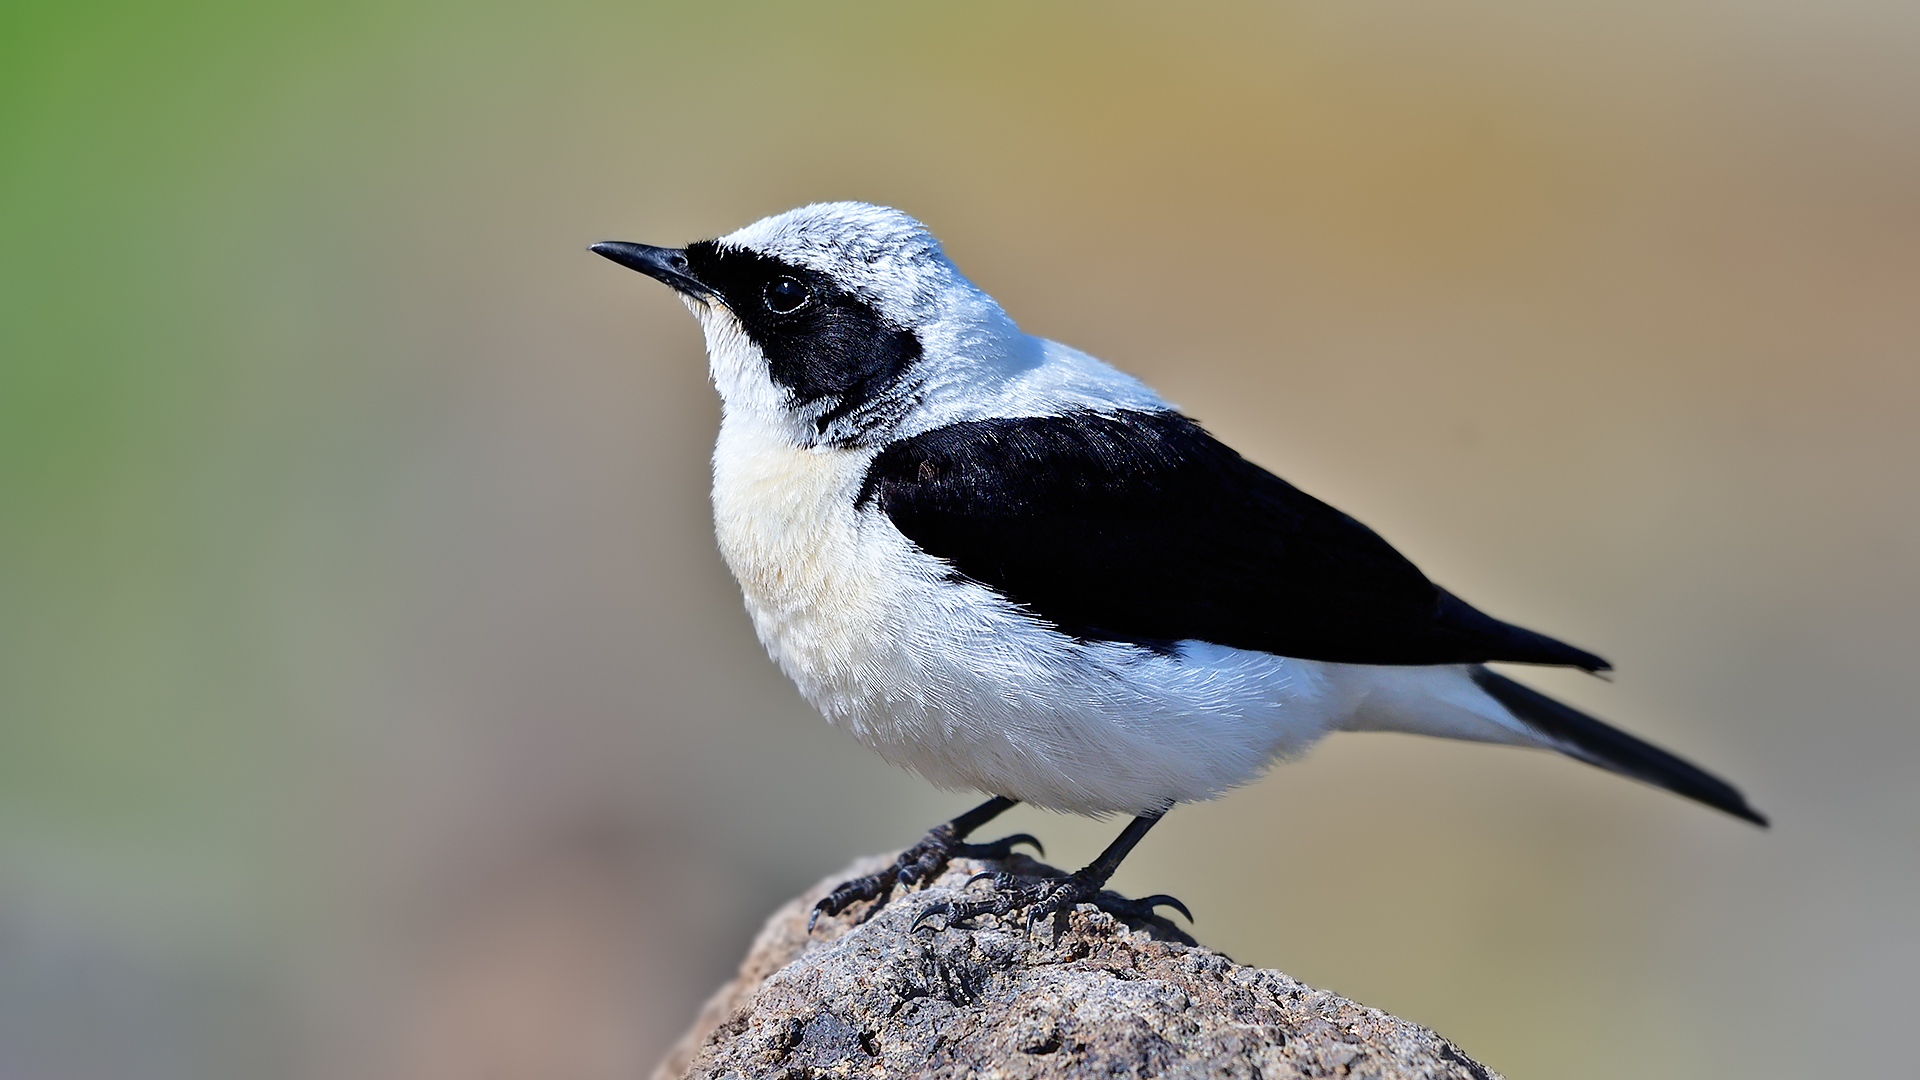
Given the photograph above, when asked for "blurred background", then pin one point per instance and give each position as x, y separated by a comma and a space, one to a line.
374, 704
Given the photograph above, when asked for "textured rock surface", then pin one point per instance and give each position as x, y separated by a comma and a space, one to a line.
1108, 1000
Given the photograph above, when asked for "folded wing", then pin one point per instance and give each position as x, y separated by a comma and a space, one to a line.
1141, 527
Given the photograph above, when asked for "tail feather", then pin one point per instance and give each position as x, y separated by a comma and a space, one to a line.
1581, 736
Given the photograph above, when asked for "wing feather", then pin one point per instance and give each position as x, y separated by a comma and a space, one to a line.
1140, 527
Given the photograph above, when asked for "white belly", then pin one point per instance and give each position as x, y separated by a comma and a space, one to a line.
958, 684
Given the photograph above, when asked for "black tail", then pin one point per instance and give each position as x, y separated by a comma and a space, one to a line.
1595, 743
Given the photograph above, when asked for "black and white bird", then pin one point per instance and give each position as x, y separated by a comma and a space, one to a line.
1012, 568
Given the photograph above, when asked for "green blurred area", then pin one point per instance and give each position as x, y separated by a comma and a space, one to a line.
372, 701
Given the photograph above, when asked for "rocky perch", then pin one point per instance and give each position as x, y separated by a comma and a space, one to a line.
1109, 999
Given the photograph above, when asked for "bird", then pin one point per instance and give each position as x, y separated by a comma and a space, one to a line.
1014, 569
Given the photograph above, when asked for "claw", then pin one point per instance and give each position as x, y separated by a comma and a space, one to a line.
984, 875
938, 907
1159, 900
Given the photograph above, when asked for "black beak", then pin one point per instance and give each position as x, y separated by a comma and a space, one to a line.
666, 265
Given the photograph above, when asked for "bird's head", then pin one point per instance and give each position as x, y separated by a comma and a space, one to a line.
833, 323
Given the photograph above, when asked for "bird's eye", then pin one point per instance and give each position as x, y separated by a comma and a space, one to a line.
786, 296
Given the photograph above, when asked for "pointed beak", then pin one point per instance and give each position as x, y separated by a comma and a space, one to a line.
666, 265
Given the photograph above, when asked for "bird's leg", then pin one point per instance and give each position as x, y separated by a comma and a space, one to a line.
1057, 896
925, 860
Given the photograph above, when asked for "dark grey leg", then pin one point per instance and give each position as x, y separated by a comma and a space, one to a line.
1058, 896
925, 860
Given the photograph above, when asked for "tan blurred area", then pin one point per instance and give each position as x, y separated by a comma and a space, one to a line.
374, 703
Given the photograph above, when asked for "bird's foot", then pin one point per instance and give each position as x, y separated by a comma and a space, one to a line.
1054, 898
922, 862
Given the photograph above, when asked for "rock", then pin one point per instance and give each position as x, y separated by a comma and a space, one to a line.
1108, 999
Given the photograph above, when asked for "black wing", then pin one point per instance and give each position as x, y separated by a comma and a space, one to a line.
1141, 527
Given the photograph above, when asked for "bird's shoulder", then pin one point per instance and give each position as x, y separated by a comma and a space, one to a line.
1030, 464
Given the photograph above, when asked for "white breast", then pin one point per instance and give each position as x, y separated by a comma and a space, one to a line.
956, 683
